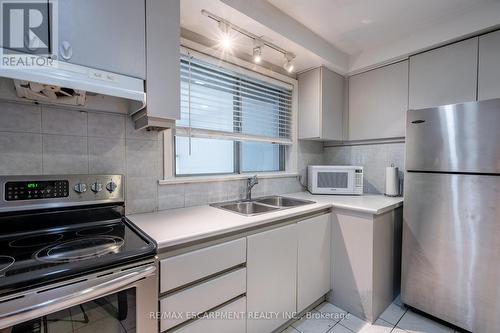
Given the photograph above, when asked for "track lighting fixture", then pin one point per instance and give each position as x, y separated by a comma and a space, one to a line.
226, 41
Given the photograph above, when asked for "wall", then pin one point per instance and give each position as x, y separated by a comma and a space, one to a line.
42, 140
309, 153
374, 158
192, 194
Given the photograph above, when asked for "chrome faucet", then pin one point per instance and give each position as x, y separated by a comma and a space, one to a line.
251, 182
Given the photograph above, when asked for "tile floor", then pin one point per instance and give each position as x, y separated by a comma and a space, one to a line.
395, 319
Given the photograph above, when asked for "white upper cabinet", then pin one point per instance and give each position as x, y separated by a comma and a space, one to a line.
314, 260
321, 104
489, 66
378, 101
446, 75
163, 78
108, 35
271, 276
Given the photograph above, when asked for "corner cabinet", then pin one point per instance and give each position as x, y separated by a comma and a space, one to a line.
288, 270
378, 101
314, 260
271, 277
108, 35
446, 75
321, 104
489, 66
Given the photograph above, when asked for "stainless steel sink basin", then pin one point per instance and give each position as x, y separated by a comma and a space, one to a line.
245, 207
279, 201
261, 205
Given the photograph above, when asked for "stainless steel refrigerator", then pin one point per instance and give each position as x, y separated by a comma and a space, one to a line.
451, 218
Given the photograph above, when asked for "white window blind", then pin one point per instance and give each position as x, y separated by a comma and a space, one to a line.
219, 103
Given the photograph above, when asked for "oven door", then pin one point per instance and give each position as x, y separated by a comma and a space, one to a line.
119, 300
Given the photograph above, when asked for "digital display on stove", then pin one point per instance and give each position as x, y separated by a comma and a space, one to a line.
32, 190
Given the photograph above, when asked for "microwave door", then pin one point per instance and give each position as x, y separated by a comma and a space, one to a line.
335, 182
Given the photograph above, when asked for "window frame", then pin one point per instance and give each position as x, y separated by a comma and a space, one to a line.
237, 169
238, 65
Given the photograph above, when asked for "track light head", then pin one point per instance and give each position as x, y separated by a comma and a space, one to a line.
257, 54
288, 64
223, 27
226, 40
258, 45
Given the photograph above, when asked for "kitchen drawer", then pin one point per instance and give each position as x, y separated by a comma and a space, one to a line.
189, 267
227, 319
202, 297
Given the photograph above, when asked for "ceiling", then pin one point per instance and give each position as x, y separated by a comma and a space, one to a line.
358, 25
364, 33
193, 20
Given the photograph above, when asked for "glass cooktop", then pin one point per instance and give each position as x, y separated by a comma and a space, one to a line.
40, 247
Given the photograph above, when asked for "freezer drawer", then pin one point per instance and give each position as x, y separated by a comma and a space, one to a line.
454, 138
451, 247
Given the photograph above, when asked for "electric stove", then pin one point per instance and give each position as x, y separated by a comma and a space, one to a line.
54, 228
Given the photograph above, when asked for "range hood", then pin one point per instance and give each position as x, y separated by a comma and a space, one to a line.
67, 84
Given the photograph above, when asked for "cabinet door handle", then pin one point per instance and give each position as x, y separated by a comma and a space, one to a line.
66, 50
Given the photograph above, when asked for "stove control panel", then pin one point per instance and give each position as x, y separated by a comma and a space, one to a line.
32, 190
26, 192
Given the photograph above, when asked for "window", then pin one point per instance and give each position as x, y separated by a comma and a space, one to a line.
230, 122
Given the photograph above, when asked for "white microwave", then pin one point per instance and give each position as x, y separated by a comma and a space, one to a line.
335, 179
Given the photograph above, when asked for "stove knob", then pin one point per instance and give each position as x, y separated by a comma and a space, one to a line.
111, 186
80, 188
96, 187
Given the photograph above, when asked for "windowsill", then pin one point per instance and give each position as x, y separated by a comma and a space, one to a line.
218, 178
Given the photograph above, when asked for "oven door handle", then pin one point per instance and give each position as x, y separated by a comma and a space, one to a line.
42, 302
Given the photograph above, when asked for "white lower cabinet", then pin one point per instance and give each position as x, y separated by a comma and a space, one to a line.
271, 277
227, 319
287, 269
201, 297
314, 260
178, 271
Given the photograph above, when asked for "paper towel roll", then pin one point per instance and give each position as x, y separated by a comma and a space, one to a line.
391, 181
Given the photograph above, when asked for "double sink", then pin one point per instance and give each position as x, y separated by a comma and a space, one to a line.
261, 205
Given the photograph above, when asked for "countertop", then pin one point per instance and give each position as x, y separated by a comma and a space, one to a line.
175, 227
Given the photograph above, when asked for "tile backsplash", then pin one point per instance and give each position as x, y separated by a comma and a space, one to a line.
310, 153
194, 194
36, 140
373, 157
42, 140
